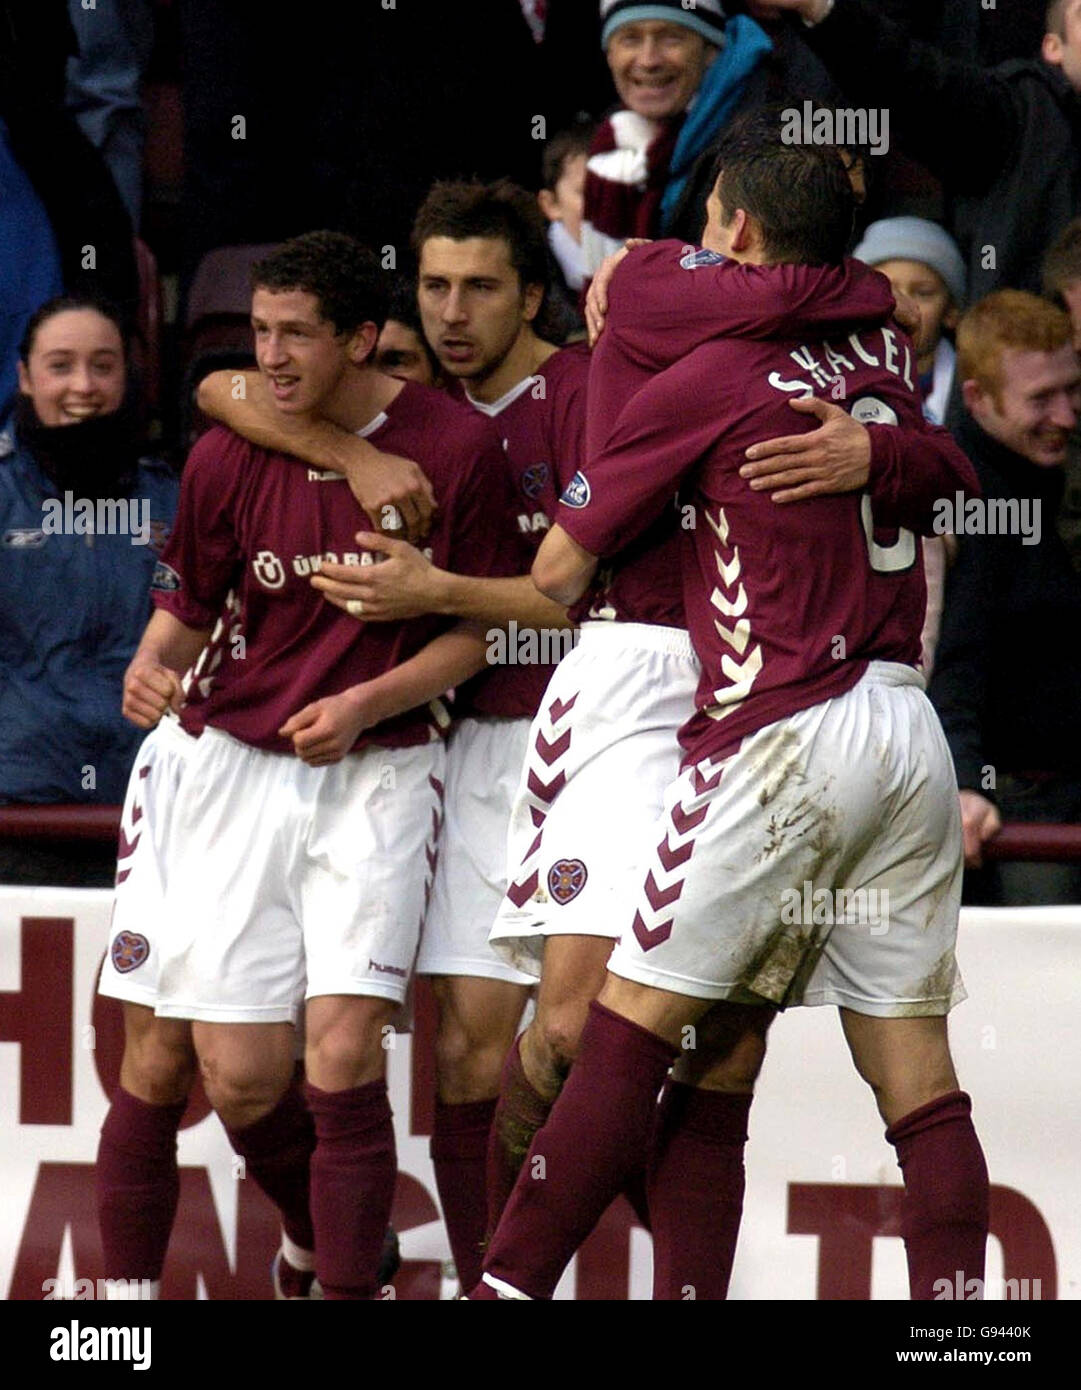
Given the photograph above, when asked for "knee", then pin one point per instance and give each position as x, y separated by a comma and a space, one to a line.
736, 1071
468, 1059
559, 1032
241, 1094
158, 1070
349, 1053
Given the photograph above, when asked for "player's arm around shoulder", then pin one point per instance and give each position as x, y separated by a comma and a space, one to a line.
916, 473
481, 579
393, 490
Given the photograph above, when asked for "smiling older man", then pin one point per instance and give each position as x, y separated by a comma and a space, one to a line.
681, 73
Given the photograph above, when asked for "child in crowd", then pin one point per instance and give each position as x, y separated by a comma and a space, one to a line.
564, 173
921, 259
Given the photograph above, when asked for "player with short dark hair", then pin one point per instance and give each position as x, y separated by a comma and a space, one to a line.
606, 732
402, 350
311, 800
482, 283
805, 762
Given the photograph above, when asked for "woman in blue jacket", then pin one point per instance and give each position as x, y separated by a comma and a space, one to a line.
82, 520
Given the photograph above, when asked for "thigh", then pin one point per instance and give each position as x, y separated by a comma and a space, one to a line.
159, 1056
479, 1011
146, 850
897, 897
658, 1011
604, 748
346, 1040
246, 1057
364, 868
233, 951
905, 1061
484, 762
573, 972
725, 1050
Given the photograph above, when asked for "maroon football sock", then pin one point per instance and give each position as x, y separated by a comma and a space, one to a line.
696, 1190
277, 1151
519, 1112
353, 1170
138, 1185
596, 1136
944, 1216
459, 1150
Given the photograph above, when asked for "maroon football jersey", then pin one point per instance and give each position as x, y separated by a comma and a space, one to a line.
667, 299
542, 421
262, 524
787, 604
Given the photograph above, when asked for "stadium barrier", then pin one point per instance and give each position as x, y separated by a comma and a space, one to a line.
823, 1191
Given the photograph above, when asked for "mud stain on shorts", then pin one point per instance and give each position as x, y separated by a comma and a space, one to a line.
934, 989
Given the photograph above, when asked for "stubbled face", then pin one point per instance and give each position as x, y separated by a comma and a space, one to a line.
1039, 405
400, 352
564, 203
1064, 50
301, 355
472, 304
657, 66
928, 289
76, 368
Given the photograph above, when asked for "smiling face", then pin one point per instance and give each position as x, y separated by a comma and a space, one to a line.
657, 66
75, 368
472, 303
933, 299
301, 354
1037, 407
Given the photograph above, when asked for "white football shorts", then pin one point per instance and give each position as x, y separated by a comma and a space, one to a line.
130, 970
484, 766
290, 881
602, 750
818, 864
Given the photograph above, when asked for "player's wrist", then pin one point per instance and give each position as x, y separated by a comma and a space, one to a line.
446, 593
362, 704
373, 701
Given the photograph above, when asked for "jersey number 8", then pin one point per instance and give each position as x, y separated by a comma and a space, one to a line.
901, 555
